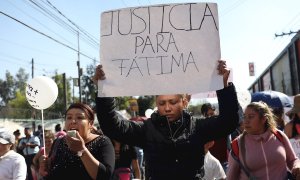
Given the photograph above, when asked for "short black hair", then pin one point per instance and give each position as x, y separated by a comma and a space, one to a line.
17, 132
57, 127
205, 107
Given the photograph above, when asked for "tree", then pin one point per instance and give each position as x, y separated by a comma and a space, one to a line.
20, 103
10, 86
12, 94
88, 87
7, 89
123, 103
21, 79
89, 92
59, 105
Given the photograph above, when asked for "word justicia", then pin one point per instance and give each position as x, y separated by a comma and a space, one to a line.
134, 21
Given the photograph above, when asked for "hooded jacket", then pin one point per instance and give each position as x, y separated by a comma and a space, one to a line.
172, 150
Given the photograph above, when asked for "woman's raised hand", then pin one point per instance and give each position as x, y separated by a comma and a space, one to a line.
99, 74
223, 70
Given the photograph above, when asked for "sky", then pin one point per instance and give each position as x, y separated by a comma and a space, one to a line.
247, 33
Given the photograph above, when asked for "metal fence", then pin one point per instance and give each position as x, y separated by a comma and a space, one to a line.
14, 124
29, 114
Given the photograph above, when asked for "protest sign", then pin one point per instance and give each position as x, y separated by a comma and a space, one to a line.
160, 49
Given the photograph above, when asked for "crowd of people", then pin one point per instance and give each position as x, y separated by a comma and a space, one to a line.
171, 144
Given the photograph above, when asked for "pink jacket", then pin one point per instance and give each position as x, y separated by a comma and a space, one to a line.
266, 157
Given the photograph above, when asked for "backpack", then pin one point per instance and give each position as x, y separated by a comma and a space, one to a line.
121, 174
235, 154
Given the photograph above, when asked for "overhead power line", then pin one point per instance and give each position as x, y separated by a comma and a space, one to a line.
46, 35
88, 35
232, 7
46, 9
20, 9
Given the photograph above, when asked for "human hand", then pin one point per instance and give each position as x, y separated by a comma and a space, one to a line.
75, 144
223, 70
99, 74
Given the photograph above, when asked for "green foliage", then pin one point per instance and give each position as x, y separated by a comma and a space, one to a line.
19, 102
123, 102
21, 79
88, 88
7, 89
12, 95
59, 105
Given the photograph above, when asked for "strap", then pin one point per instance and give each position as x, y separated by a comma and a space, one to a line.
239, 162
235, 155
278, 135
235, 150
243, 148
235, 147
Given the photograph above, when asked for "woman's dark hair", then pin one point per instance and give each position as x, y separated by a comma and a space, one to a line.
88, 111
57, 128
205, 107
17, 132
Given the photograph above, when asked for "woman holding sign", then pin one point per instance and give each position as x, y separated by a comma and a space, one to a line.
172, 140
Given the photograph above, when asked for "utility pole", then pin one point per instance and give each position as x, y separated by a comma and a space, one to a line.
65, 91
33, 115
32, 68
94, 61
289, 33
79, 70
73, 90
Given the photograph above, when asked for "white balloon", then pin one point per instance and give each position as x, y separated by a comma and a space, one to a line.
244, 98
41, 92
148, 113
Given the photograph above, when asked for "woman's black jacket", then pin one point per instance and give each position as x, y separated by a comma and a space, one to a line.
170, 155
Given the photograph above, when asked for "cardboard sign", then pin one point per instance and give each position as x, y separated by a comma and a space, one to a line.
160, 49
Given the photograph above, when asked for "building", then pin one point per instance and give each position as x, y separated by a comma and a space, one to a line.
283, 74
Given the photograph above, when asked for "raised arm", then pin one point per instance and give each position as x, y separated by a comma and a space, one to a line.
112, 124
226, 122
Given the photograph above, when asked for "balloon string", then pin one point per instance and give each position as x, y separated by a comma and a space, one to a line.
43, 128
